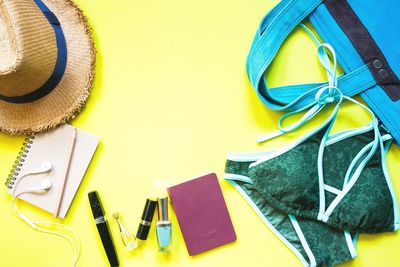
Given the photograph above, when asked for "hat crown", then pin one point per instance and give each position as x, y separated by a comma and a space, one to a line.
28, 48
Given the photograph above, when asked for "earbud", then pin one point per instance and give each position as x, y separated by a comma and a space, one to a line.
46, 166
43, 188
46, 185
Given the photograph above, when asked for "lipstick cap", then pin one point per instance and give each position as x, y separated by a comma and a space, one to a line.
148, 211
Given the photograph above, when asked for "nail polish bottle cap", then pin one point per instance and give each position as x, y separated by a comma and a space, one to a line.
163, 209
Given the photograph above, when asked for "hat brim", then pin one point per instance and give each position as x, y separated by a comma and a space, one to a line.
70, 95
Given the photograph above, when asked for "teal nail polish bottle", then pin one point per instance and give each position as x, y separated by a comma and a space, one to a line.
163, 226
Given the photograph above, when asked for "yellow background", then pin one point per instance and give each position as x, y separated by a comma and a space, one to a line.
171, 99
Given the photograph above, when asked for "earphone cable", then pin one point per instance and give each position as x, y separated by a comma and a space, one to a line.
35, 226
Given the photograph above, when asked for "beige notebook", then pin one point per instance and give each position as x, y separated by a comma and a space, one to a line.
53, 147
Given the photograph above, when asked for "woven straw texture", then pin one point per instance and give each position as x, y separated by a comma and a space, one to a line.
28, 54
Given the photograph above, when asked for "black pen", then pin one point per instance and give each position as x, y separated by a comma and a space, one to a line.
102, 227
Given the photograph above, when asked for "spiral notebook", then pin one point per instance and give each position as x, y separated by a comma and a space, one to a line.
53, 146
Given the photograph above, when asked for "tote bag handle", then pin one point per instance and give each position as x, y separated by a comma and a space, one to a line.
272, 32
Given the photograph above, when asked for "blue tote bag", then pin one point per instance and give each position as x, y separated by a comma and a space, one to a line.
364, 35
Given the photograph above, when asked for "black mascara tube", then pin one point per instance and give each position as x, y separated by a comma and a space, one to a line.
102, 227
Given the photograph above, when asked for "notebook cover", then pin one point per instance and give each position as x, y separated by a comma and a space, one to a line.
202, 213
53, 146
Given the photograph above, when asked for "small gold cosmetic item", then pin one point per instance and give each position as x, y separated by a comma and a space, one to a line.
128, 239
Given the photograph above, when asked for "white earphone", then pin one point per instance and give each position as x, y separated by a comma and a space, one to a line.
45, 184
46, 167
44, 187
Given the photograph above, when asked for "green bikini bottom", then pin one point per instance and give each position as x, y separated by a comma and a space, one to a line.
314, 242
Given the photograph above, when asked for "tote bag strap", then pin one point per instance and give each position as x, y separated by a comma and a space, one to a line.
272, 32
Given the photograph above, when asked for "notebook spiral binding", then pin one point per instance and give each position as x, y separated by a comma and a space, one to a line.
19, 161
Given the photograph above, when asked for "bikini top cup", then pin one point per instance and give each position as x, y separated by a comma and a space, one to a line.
289, 180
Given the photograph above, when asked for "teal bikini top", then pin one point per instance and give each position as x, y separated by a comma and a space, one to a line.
339, 179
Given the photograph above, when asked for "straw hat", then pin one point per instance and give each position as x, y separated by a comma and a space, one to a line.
46, 64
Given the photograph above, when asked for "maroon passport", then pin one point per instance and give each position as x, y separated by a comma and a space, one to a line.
202, 213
